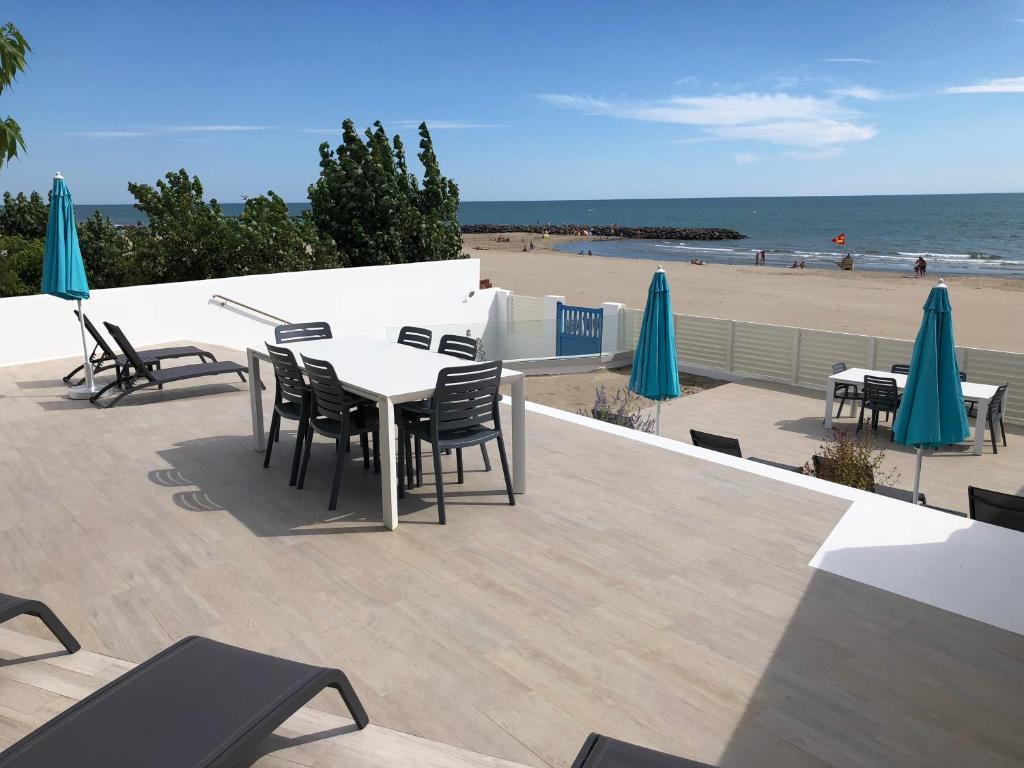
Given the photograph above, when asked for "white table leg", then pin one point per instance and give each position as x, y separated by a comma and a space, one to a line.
256, 400
519, 434
979, 427
388, 457
830, 396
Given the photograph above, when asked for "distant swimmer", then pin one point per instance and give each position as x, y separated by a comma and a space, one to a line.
846, 262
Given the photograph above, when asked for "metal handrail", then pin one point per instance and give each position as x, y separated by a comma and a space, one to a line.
225, 300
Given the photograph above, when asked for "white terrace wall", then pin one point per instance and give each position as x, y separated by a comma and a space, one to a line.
804, 357
356, 301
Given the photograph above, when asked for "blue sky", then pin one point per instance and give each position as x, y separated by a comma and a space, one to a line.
527, 100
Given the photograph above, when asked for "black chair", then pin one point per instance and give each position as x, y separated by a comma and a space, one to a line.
1003, 509
903, 368
604, 752
135, 374
337, 414
103, 358
995, 415
464, 412
969, 404
291, 401
289, 332
729, 445
881, 396
411, 336
462, 347
11, 606
843, 391
197, 704
777, 464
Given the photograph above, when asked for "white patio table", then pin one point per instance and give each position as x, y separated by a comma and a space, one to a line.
389, 374
982, 393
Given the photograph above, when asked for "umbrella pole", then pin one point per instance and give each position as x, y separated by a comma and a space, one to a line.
657, 419
917, 474
89, 388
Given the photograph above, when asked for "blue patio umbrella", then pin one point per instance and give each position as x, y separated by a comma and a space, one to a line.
63, 269
931, 412
655, 372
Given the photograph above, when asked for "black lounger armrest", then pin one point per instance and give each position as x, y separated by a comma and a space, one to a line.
11, 606
197, 704
603, 752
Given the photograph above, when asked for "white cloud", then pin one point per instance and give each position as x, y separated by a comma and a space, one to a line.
112, 134
816, 154
852, 60
444, 125
779, 118
335, 129
686, 80
997, 85
862, 92
214, 128
742, 158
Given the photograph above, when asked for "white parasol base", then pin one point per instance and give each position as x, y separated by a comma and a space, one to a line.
82, 392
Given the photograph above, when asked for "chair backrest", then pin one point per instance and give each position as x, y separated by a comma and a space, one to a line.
880, 389
330, 400
97, 337
997, 508
457, 346
291, 385
412, 336
838, 367
963, 376
729, 445
903, 368
467, 396
995, 405
289, 332
129, 351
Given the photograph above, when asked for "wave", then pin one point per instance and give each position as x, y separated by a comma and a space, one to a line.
681, 247
986, 256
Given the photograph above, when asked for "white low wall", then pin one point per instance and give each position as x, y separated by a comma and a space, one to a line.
355, 301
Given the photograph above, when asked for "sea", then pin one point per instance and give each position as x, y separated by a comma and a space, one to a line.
975, 234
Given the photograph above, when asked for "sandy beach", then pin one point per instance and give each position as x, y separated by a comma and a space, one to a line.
989, 312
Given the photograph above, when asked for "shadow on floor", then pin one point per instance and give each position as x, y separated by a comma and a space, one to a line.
146, 397
225, 473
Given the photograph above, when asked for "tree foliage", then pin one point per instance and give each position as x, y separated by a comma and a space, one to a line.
24, 216
13, 50
375, 210
21, 265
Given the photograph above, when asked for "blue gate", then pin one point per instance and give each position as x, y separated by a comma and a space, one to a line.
578, 330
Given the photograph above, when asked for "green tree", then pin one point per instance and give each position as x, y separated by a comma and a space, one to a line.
268, 239
21, 265
187, 238
108, 253
24, 216
13, 50
374, 209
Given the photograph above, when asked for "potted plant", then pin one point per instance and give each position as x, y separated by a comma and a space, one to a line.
851, 459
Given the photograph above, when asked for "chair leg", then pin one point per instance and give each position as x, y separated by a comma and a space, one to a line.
402, 476
992, 431
55, 625
275, 426
376, 452
1002, 428
409, 468
339, 465
487, 459
504, 470
860, 419
364, 441
439, 482
299, 437
307, 449
458, 465
419, 463
842, 402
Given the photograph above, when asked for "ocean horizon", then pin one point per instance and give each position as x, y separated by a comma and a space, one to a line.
974, 234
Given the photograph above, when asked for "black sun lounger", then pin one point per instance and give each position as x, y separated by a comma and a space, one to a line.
602, 752
135, 374
103, 358
11, 606
199, 703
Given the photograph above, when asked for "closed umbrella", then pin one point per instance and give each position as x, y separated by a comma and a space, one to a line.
655, 372
63, 269
931, 413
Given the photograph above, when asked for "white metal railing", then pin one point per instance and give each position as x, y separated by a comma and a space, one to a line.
222, 301
804, 356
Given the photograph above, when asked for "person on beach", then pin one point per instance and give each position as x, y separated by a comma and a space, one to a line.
589, 252
795, 264
531, 245
803, 265
920, 266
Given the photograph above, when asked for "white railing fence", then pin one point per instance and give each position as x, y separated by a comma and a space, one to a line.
804, 356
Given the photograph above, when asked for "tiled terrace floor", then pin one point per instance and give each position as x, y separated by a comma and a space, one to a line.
652, 596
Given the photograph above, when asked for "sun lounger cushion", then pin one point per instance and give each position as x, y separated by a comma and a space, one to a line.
198, 703
602, 752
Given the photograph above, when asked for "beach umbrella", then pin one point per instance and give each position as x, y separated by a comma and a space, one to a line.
655, 372
931, 412
63, 269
